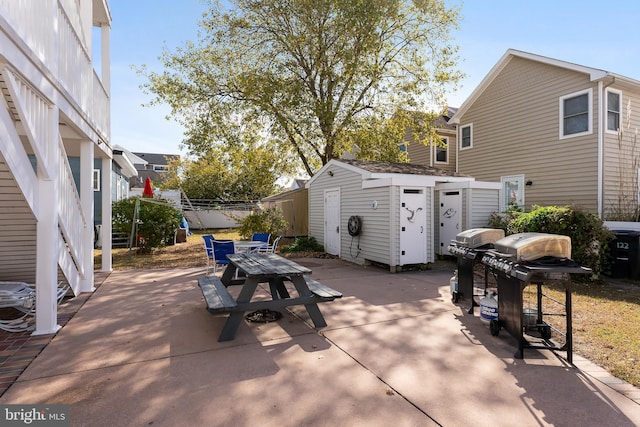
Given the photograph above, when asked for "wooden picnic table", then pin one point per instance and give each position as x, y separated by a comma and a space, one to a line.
263, 268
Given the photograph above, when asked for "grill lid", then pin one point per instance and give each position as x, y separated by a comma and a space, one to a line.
532, 246
477, 237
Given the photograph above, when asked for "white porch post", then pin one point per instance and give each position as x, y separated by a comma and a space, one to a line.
47, 235
86, 201
106, 215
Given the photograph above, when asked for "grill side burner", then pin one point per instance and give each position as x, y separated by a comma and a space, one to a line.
531, 258
468, 248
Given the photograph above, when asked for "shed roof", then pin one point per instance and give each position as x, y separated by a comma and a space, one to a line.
400, 168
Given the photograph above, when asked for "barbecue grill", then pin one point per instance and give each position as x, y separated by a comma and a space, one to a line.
532, 258
467, 248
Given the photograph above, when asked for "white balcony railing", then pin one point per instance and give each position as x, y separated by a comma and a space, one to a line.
53, 31
71, 221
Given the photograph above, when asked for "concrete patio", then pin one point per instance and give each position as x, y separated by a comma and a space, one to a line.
143, 350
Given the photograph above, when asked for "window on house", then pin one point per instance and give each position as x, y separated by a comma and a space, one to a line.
160, 168
574, 114
442, 151
614, 103
95, 182
512, 192
466, 136
402, 147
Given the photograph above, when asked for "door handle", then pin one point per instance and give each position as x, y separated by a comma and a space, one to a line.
338, 229
421, 229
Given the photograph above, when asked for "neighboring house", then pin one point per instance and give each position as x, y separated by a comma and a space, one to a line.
393, 213
151, 165
441, 156
55, 107
548, 131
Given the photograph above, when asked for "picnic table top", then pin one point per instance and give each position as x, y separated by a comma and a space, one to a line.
266, 265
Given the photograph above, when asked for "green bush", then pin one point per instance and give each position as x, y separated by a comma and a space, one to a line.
589, 236
157, 221
304, 244
503, 219
269, 220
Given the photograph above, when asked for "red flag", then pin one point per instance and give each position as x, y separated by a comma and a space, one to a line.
148, 189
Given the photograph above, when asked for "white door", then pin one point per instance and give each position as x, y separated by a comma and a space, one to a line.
450, 216
332, 222
413, 226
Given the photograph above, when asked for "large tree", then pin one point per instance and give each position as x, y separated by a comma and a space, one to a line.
312, 76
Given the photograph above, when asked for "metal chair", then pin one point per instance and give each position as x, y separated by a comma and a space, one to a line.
208, 247
270, 248
220, 250
260, 237
22, 297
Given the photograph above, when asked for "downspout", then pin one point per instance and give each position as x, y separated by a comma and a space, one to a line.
600, 147
601, 128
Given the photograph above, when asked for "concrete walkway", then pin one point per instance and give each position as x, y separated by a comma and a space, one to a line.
143, 350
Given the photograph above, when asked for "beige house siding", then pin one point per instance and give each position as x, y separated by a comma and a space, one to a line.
422, 154
18, 231
516, 132
621, 160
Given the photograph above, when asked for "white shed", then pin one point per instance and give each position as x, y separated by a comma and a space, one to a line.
463, 205
376, 211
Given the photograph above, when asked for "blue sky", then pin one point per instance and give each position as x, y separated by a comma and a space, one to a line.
597, 34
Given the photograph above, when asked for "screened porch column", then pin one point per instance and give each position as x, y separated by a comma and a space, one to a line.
86, 201
106, 229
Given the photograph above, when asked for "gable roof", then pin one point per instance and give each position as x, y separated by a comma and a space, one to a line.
595, 74
156, 159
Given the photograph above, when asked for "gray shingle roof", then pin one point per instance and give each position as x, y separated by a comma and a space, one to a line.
401, 168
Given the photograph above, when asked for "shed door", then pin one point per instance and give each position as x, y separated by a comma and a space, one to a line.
413, 226
450, 216
332, 222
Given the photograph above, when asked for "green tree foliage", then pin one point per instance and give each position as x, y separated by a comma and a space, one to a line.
309, 78
157, 221
589, 236
216, 174
269, 220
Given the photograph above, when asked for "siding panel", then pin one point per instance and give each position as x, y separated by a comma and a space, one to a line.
516, 130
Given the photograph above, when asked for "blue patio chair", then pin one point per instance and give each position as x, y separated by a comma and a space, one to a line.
221, 248
208, 247
260, 237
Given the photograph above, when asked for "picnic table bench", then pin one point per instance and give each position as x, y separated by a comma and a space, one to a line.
263, 268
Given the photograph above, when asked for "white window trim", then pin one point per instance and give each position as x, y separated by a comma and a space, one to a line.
606, 112
445, 139
95, 180
589, 130
503, 181
470, 126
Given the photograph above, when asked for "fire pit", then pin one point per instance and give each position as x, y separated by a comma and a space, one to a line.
468, 248
526, 259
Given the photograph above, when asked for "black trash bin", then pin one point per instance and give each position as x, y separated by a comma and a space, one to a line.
625, 255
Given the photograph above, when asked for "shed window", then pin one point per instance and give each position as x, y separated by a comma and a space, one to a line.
575, 114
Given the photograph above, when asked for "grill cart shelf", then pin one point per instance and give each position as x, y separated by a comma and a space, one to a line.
512, 280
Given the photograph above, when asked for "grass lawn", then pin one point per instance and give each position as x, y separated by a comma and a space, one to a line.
606, 315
